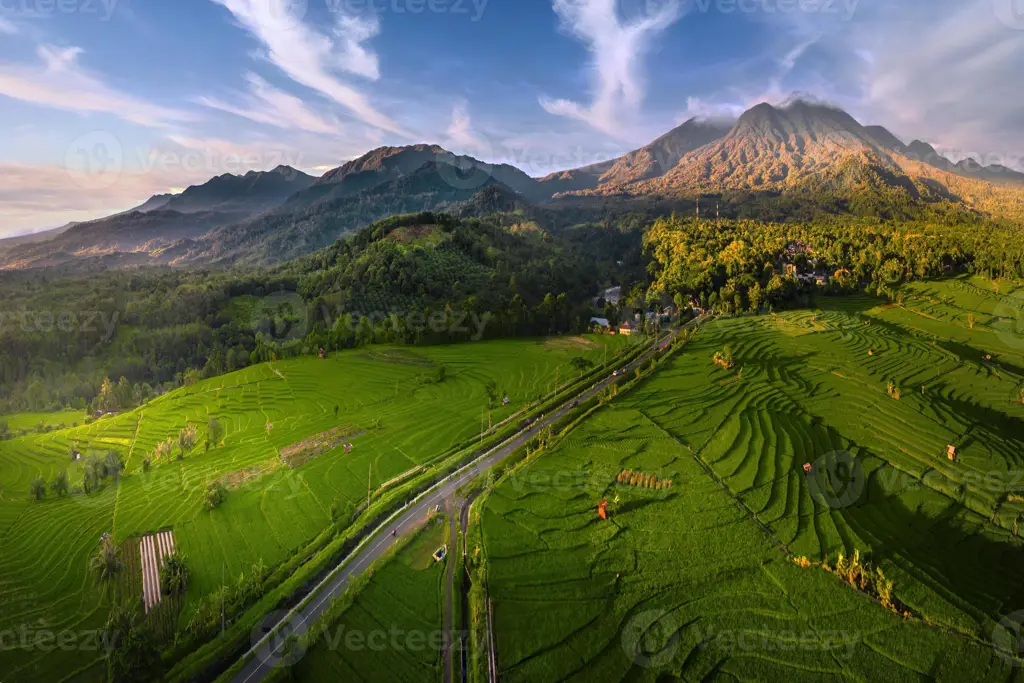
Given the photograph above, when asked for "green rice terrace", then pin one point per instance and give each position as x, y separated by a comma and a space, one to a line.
844, 500
282, 450
813, 495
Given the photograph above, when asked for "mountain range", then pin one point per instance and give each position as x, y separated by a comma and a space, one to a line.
801, 149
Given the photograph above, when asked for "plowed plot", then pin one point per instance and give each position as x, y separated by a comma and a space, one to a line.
299, 454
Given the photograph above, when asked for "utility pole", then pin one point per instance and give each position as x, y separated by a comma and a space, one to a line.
717, 214
698, 207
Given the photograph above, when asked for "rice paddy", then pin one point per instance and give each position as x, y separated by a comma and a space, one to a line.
697, 581
402, 420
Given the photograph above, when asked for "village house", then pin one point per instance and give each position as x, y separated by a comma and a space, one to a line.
626, 328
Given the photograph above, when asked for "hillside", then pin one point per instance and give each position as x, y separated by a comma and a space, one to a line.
650, 161
805, 151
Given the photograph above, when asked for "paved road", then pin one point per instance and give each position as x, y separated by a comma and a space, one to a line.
268, 650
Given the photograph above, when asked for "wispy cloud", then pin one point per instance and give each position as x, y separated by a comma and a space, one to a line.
943, 73
460, 134
273, 107
7, 28
313, 59
59, 82
617, 50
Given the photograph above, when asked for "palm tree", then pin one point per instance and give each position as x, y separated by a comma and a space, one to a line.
173, 575
39, 487
60, 484
186, 440
107, 560
112, 465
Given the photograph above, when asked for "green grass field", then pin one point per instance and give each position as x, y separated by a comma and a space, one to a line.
392, 632
45, 546
572, 593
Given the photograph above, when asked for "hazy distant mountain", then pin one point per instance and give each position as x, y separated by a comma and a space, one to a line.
250, 193
157, 201
165, 219
8, 243
650, 161
385, 164
306, 223
804, 154
133, 232
969, 167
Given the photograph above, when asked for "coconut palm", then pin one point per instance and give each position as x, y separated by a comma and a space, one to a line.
112, 465
186, 440
107, 560
173, 575
39, 487
60, 484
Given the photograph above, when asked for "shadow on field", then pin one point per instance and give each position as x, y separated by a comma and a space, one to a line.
634, 505
976, 571
1002, 425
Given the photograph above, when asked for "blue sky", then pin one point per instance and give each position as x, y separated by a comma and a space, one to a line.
105, 102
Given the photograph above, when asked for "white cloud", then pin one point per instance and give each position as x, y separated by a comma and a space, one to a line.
313, 59
617, 50
460, 134
355, 58
948, 73
60, 82
273, 107
7, 28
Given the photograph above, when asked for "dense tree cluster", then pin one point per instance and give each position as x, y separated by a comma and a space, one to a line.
739, 265
420, 278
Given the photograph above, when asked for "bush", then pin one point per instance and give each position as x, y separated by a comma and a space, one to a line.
215, 494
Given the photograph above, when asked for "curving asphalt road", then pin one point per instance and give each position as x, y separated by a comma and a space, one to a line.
268, 651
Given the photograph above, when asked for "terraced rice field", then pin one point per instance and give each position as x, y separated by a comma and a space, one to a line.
392, 633
45, 546
707, 561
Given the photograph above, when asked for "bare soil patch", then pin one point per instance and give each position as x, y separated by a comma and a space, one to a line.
302, 452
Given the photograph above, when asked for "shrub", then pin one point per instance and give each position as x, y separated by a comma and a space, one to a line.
215, 494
